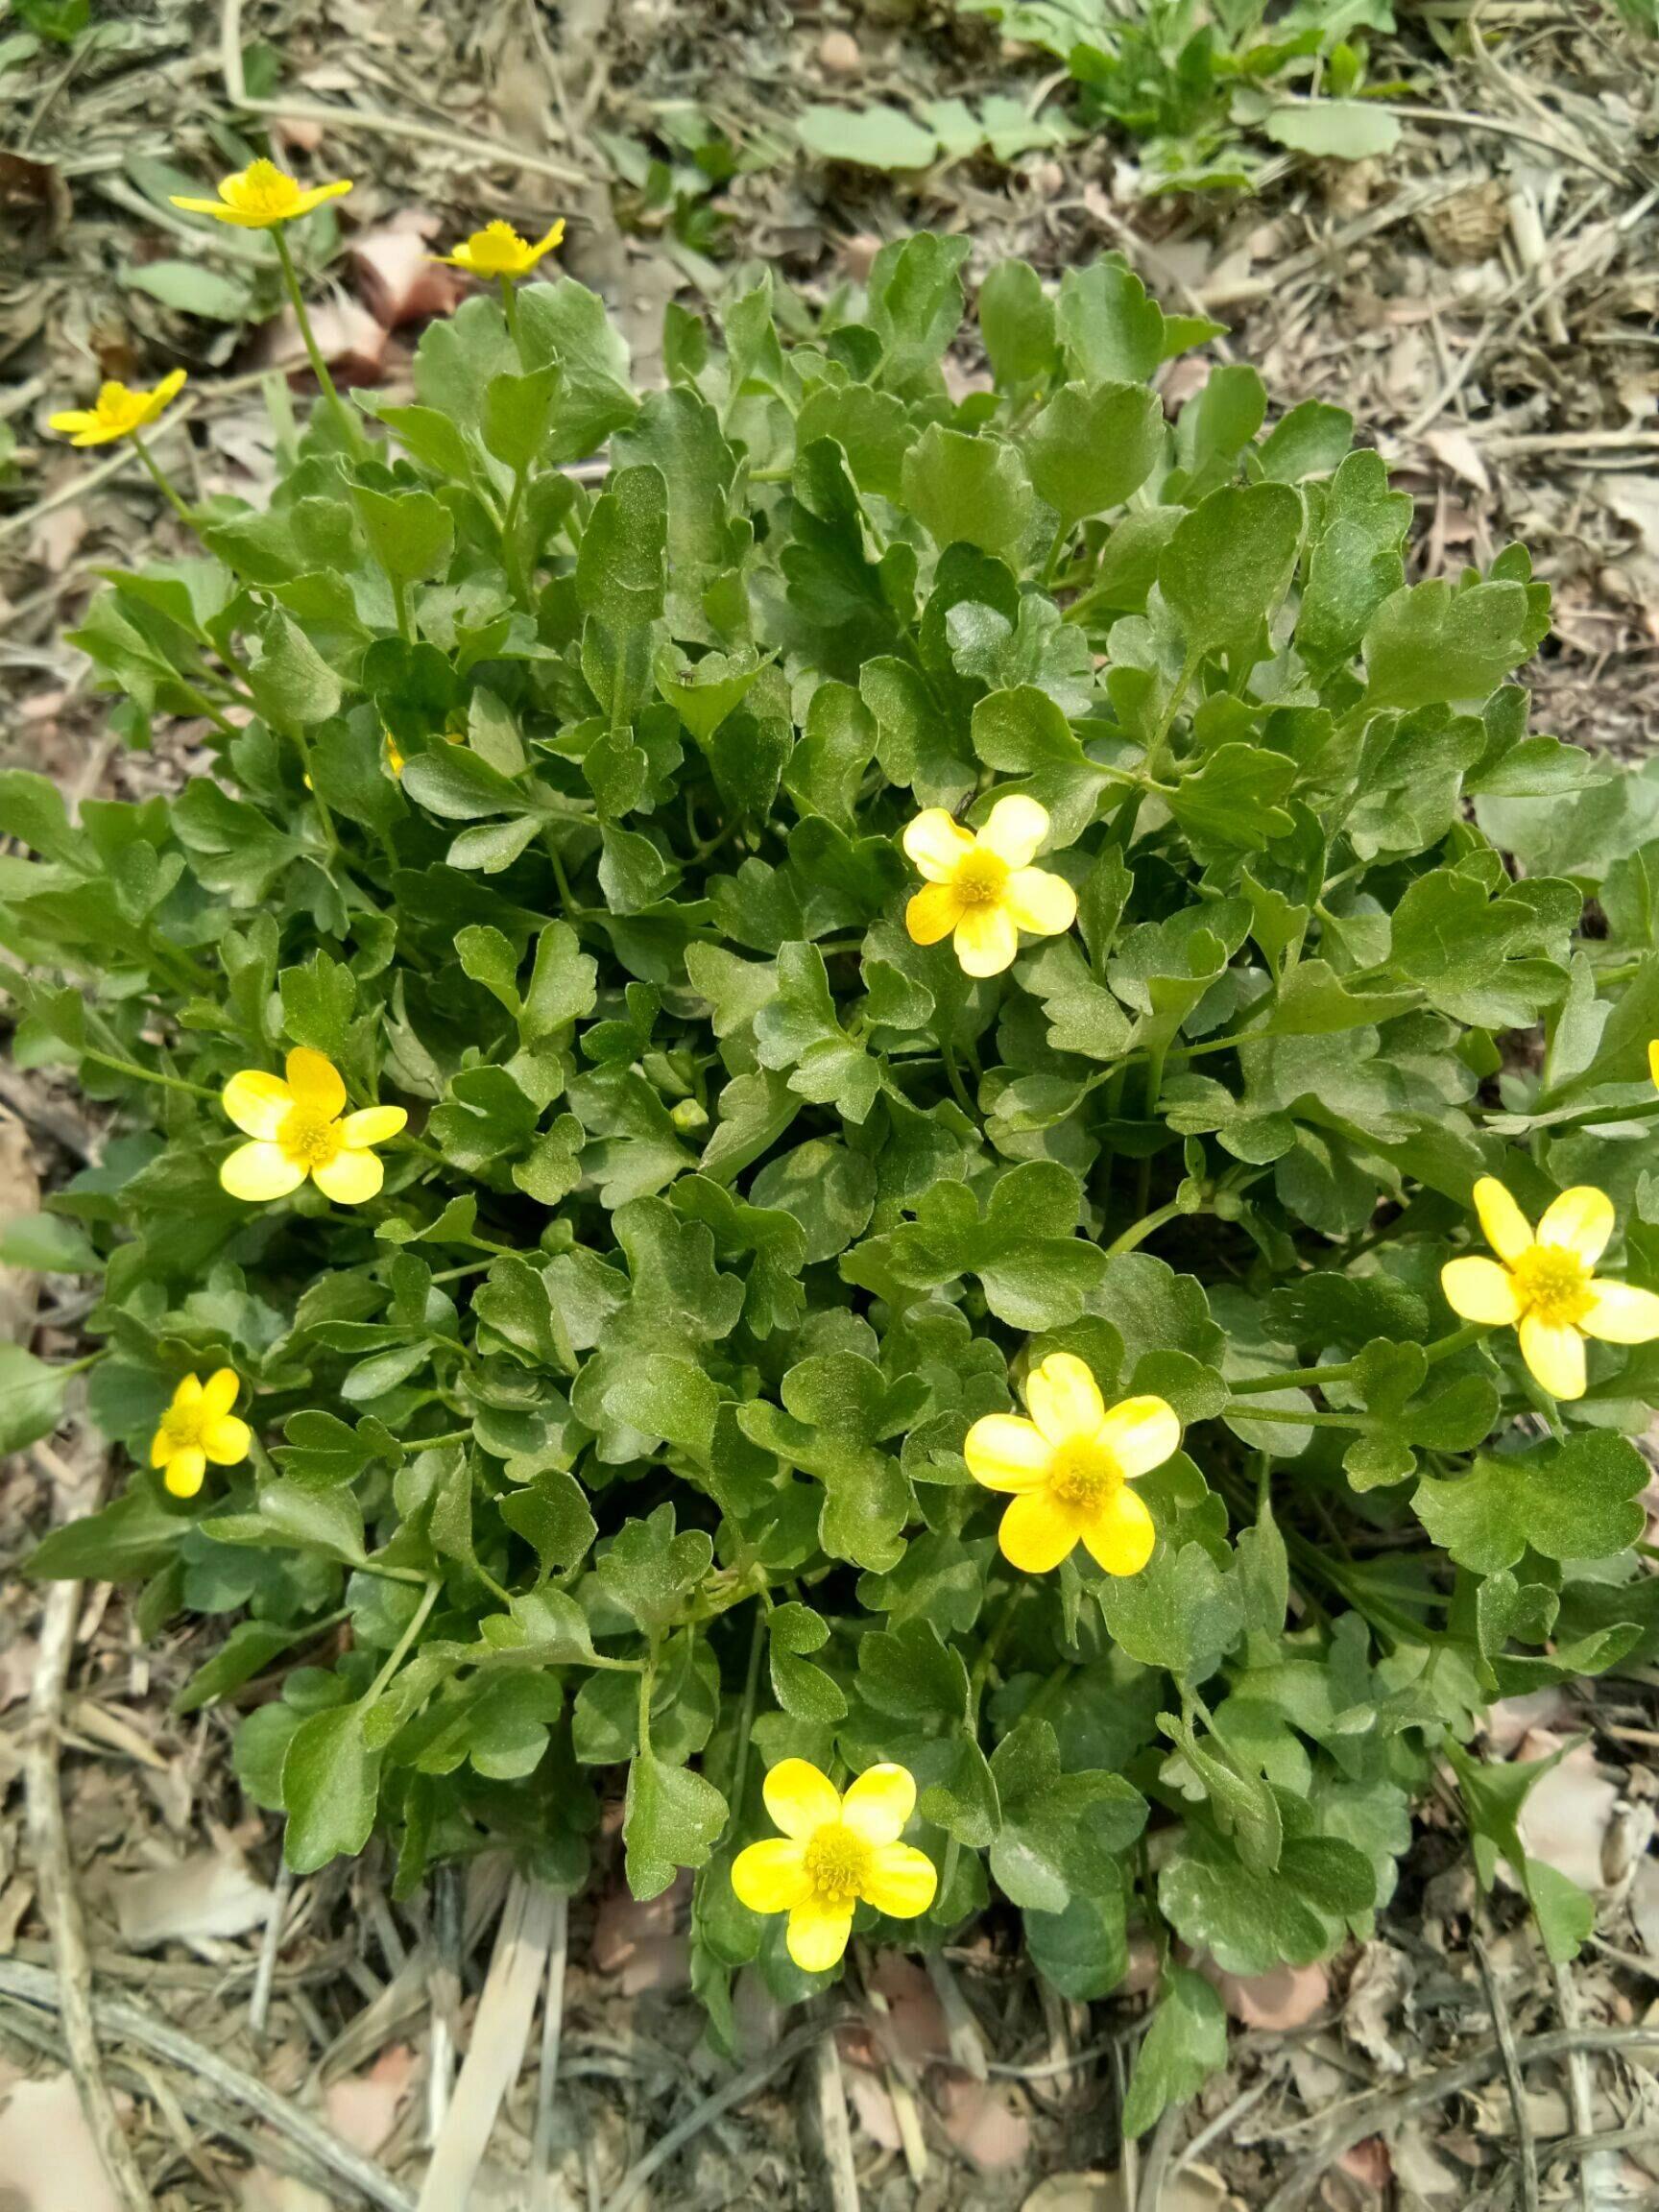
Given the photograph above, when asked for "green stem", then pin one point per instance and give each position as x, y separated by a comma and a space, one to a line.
163, 483
510, 305
318, 367
1139, 1231
959, 1089
1310, 1377
146, 1075
400, 1650
746, 1717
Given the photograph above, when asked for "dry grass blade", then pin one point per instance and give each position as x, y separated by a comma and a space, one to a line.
115, 2017
59, 1902
500, 2033
1516, 2086
1370, 2115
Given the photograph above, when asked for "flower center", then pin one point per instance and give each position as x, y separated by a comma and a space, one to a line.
182, 1426
497, 248
263, 190
1552, 1284
1083, 1476
980, 879
837, 1861
114, 404
310, 1140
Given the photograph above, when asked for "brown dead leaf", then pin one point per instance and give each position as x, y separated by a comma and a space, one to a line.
1645, 1905
985, 2122
1458, 451
1288, 1997
35, 205
1565, 1818
1377, 1992
208, 1894
643, 1945
48, 2158
398, 279
1077, 2193
867, 2093
362, 2108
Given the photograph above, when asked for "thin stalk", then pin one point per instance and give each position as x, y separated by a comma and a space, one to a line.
318, 367
1137, 1232
400, 1650
163, 483
146, 1075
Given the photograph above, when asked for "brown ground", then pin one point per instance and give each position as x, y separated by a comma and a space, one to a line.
1487, 304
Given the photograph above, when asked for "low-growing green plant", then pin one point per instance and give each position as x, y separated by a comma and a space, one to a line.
1198, 81
807, 1135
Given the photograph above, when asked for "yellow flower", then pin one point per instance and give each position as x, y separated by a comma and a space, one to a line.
298, 1130
834, 1853
196, 1427
1653, 1062
981, 887
117, 412
396, 758
498, 250
1545, 1288
261, 196
1069, 1468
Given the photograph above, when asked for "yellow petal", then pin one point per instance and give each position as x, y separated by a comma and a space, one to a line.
1555, 1357
1622, 1315
184, 1472
817, 1936
554, 236
1120, 1536
1065, 1399
219, 1391
257, 1103
371, 1125
1141, 1433
169, 387
319, 193
161, 1448
1504, 1225
1014, 828
1580, 1221
350, 1178
226, 1440
260, 1171
986, 941
1041, 901
902, 1881
933, 913
880, 1802
771, 1877
1652, 1049
189, 1392
315, 1082
1478, 1289
936, 843
214, 208
799, 1799
1036, 1532
1004, 1452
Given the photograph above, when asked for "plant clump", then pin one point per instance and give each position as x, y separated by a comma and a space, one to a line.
805, 1135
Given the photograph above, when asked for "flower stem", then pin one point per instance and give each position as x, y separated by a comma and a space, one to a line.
146, 1075
163, 483
1139, 1231
318, 367
400, 1650
509, 307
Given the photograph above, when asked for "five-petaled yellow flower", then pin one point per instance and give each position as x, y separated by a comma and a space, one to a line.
498, 250
299, 1127
981, 888
834, 1854
196, 1427
117, 412
1069, 1467
261, 196
1545, 1288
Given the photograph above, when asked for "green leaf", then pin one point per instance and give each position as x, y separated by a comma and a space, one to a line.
1186, 2043
292, 684
1433, 642
1228, 566
1016, 322
409, 533
30, 1398
1091, 447
1334, 129
1061, 1832
672, 1817
966, 489
878, 137
1570, 1501
331, 1786
621, 567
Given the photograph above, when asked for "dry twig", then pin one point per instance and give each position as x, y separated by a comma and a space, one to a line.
1517, 2088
